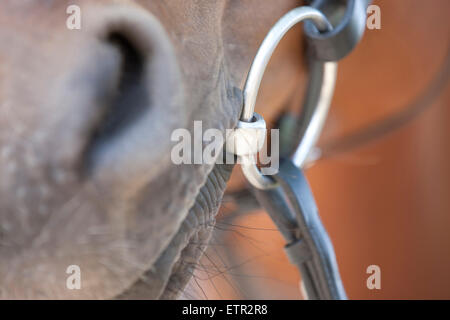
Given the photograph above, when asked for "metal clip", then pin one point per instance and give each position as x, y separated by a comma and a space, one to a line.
334, 45
248, 137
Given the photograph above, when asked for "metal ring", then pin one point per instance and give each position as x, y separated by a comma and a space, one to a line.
318, 106
269, 45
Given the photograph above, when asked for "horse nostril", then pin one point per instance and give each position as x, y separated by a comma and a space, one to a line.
145, 102
130, 99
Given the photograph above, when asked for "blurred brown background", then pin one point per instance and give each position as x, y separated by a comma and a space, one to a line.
384, 196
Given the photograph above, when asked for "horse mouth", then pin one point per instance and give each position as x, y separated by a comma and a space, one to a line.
171, 272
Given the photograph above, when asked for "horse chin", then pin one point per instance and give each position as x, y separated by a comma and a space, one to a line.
168, 276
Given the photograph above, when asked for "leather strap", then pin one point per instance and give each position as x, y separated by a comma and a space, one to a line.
292, 207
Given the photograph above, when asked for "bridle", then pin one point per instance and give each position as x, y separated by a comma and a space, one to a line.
286, 196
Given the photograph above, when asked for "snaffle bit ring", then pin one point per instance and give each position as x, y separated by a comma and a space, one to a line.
317, 100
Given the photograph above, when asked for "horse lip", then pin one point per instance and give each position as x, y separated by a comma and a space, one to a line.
172, 269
